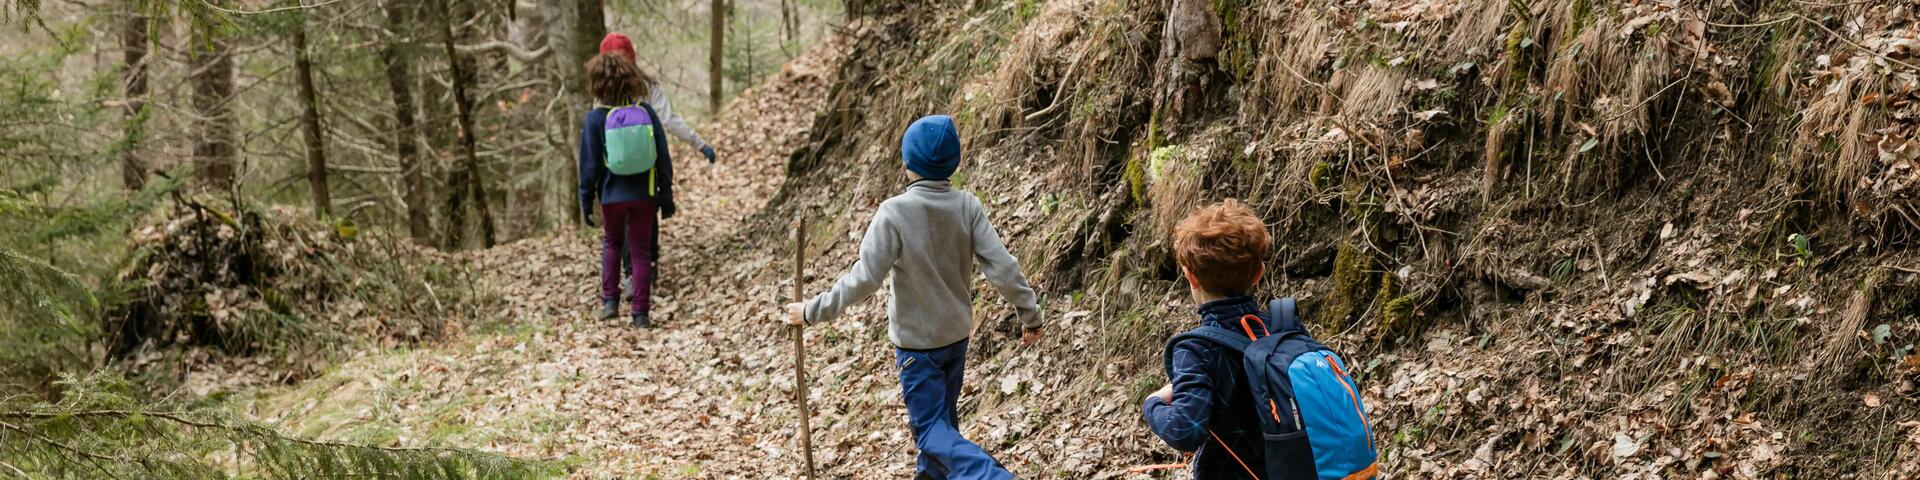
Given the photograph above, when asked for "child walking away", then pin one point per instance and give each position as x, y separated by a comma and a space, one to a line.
928, 239
625, 165
656, 97
1251, 392
653, 96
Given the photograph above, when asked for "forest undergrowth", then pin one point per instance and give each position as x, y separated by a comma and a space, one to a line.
1540, 273
1558, 239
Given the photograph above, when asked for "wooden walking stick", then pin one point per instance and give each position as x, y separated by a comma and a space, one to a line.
800, 345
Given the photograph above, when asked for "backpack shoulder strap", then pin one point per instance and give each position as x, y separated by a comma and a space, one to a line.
1283, 315
1218, 336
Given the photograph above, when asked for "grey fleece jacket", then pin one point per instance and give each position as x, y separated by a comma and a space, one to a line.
928, 238
672, 121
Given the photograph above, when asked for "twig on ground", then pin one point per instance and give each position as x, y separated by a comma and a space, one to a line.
1643, 102
437, 308
16, 470
1857, 45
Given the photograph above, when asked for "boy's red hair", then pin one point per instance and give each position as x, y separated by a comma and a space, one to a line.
1223, 247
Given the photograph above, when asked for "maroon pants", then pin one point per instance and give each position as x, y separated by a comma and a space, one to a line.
628, 229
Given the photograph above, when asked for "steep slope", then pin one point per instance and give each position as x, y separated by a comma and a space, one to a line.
1563, 239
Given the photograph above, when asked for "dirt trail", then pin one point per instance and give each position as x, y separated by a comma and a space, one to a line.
707, 394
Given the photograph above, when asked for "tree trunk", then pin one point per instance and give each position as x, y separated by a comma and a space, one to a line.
574, 29
787, 24
465, 182
212, 76
396, 55
438, 110
591, 26
310, 122
717, 68
133, 49
434, 114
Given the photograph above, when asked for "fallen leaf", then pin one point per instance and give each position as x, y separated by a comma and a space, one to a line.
1624, 446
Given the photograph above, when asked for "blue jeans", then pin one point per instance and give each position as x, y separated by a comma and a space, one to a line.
930, 383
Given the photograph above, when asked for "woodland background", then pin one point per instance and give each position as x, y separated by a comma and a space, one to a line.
1559, 238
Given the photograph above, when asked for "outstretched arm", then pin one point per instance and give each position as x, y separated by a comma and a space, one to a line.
877, 253
674, 124
1003, 270
663, 179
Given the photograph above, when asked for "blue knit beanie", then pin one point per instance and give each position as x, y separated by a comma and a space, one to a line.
931, 147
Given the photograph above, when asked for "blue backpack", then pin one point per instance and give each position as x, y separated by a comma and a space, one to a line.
1312, 421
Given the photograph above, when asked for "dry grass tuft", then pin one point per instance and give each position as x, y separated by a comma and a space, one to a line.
1476, 25
1494, 155
1843, 342
1631, 114
1369, 95
1290, 58
1039, 62
1582, 71
1784, 55
1099, 97
1304, 168
1620, 114
1833, 149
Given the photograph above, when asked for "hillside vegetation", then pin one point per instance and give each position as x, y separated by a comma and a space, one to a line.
1564, 238
1556, 238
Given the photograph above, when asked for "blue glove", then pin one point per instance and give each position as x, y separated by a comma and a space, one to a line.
708, 151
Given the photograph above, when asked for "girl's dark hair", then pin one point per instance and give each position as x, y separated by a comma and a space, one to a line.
612, 79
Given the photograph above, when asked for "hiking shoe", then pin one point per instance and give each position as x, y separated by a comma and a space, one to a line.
609, 309
640, 321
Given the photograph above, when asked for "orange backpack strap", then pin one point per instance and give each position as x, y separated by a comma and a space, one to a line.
1236, 456
1248, 328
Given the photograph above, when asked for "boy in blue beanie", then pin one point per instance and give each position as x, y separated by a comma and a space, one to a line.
928, 239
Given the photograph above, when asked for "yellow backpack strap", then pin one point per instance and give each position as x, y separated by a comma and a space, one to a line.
653, 189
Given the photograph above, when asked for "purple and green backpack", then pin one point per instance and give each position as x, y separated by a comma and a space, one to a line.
631, 147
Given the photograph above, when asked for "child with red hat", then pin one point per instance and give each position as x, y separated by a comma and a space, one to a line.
615, 42
627, 169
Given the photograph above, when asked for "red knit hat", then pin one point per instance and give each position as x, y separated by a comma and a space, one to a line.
617, 42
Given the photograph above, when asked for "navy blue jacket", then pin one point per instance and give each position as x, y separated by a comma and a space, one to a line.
598, 183
1210, 394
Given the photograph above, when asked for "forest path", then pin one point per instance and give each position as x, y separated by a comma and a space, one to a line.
708, 392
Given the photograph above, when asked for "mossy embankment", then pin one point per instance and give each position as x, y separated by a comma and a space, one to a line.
1558, 235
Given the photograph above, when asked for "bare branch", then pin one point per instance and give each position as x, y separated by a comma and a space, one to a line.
511, 49
62, 446
289, 8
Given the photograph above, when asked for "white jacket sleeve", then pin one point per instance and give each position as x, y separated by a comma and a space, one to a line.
672, 121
